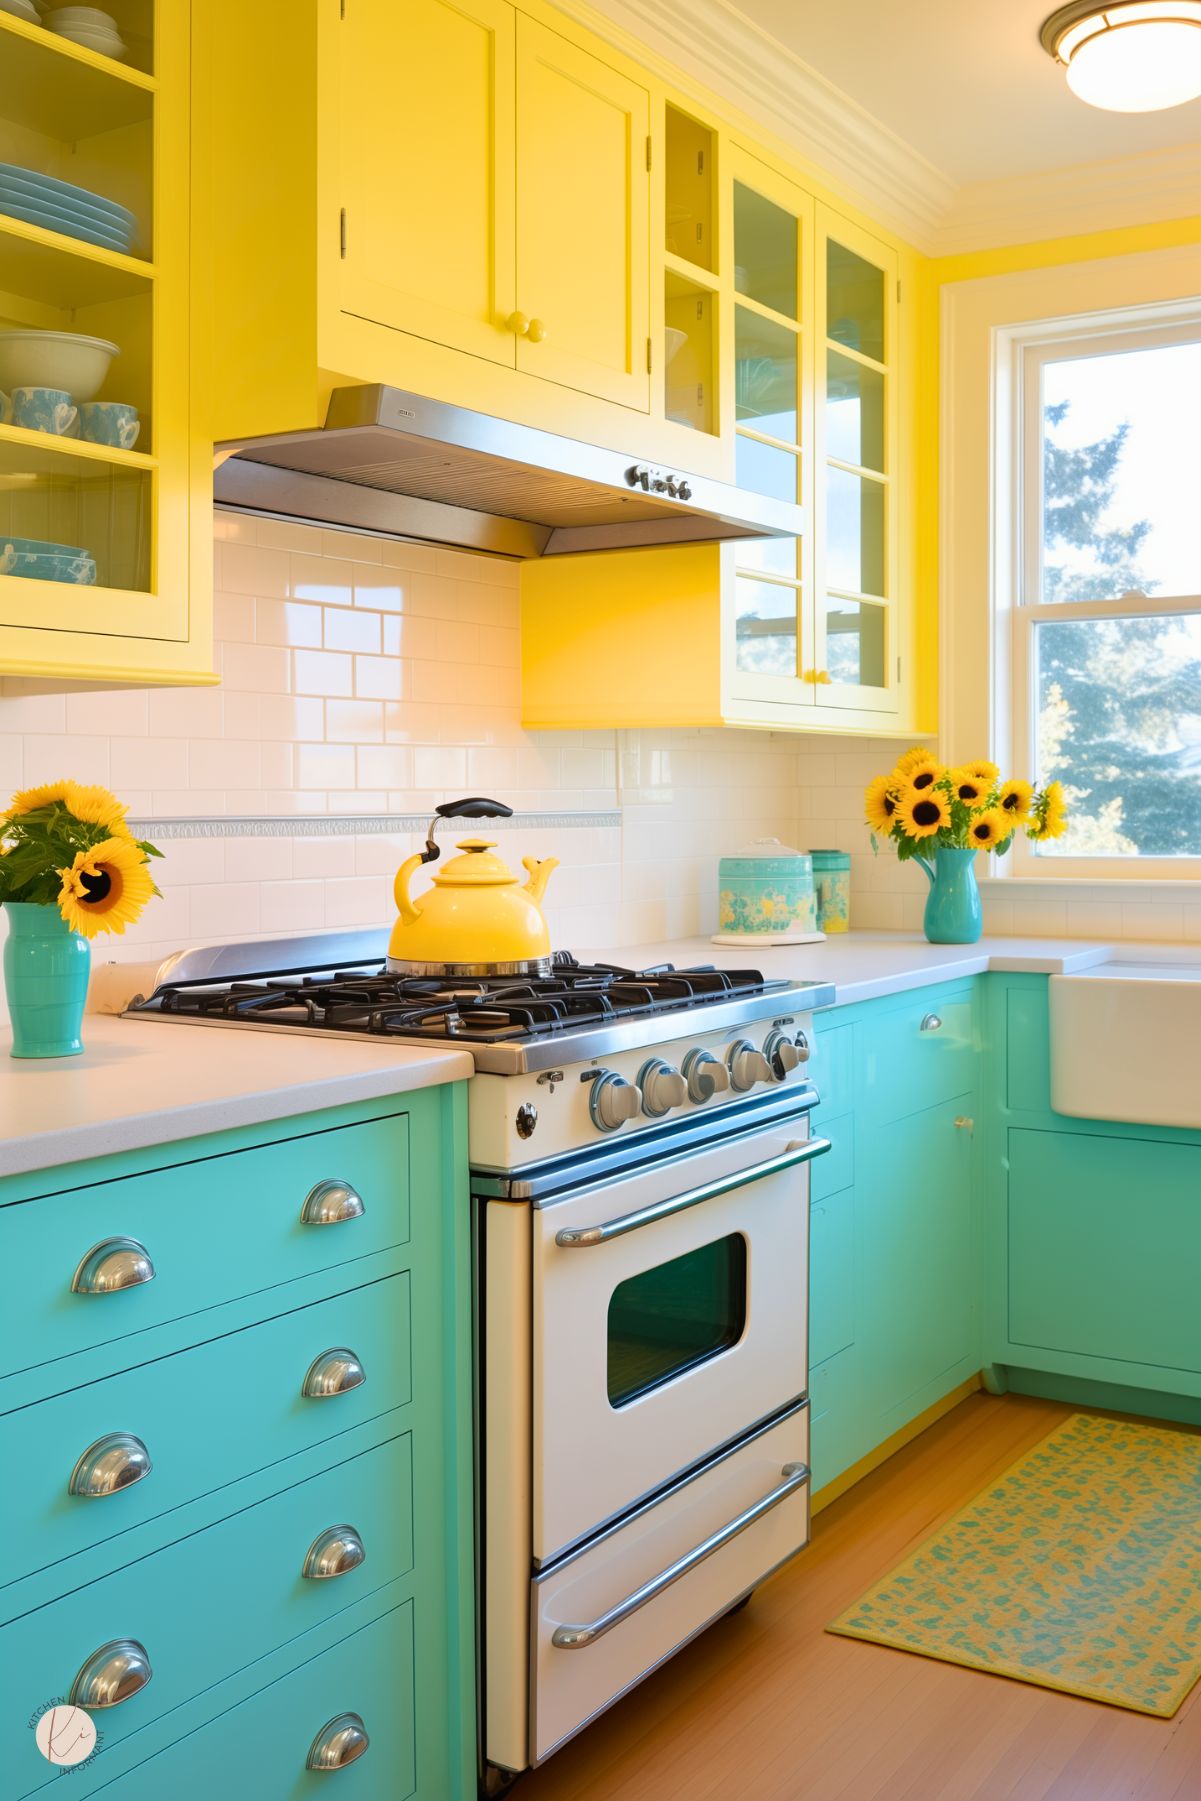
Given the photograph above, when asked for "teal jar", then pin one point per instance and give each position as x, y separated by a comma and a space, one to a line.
832, 877
766, 891
46, 968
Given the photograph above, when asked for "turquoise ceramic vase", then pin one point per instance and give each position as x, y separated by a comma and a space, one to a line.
46, 968
953, 914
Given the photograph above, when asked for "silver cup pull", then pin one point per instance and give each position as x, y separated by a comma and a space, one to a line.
340, 1741
114, 1462
930, 1023
334, 1552
335, 1372
112, 1674
329, 1203
111, 1265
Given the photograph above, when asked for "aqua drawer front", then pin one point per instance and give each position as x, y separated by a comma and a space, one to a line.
210, 1604
831, 1067
260, 1748
213, 1230
244, 1410
917, 1055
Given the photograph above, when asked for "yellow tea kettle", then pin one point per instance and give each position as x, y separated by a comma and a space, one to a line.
475, 920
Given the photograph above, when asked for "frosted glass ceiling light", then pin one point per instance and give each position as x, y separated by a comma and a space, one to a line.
1137, 57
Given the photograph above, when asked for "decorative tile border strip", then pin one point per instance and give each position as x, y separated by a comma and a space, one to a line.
347, 825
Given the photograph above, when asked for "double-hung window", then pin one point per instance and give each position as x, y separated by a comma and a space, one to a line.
1072, 556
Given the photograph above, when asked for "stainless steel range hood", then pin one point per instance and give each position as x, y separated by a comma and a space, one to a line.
394, 462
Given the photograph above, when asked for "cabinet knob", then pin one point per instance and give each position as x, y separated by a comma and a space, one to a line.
335, 1372
112, 1674
114, 1462
329, 1203
964, 1124
931, 1023
340, 1741
111, 1265
334, 1552
537, 331
518, 324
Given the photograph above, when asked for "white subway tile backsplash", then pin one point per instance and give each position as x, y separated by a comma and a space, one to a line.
366, 676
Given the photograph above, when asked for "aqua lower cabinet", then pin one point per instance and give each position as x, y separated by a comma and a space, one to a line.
257, 1464
1105, 1249
894, 1217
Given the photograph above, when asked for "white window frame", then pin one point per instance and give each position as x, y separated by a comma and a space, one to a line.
997, 335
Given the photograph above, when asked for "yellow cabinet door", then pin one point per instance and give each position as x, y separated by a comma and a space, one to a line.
583, 195
426, 179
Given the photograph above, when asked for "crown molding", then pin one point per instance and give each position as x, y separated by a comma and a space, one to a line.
722, 52
1147, 189
837, 139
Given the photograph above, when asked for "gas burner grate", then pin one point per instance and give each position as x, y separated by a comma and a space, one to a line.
465, 1010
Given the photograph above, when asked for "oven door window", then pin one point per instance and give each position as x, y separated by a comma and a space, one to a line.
669, 1319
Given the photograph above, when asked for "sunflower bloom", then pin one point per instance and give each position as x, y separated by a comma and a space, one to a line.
96, 806
1015, 800
880, 803
989, 828
923, 775
922, 812
29, 800
969, 788
984, 771
1050, 814
105, 888
910, 760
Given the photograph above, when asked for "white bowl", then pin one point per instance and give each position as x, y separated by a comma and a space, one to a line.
106, 42
55, 359
21, 9
84, 15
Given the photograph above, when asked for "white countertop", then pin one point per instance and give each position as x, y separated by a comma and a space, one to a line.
865, 965
144, 1082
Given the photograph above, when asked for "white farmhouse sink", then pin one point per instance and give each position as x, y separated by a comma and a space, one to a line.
1126, 1043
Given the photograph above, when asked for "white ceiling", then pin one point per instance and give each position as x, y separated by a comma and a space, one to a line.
965, 83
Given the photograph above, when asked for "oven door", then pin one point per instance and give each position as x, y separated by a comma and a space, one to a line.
670, 1317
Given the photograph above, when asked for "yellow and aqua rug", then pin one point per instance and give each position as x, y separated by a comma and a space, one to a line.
1080, 1570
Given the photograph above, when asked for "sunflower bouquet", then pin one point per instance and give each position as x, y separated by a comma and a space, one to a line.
68, 846
923, 805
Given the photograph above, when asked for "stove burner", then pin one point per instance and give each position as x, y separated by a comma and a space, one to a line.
462, 1009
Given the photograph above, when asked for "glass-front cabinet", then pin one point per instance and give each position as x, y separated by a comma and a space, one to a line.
856, 641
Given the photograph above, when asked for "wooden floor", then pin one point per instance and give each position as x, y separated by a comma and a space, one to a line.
766, 1706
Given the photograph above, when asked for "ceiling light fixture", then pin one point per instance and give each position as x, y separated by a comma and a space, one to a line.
1140, 56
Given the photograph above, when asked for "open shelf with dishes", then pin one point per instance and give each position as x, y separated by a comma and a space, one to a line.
99, 474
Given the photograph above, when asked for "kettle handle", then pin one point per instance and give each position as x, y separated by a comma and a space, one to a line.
475, 807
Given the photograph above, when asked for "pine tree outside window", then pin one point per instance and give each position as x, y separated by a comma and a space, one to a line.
1101, 635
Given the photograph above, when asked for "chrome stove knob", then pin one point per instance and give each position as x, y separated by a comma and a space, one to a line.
613, 1101
705, 1076
662, 1087
746, 1066
782, 1054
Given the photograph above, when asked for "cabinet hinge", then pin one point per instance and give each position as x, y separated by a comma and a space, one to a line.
648, 152
342, 230
341, 9
898, 292
898, 668
648, 356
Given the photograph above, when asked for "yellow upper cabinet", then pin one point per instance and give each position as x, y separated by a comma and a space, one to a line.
427, 170
105, 533
447, 195
583, 181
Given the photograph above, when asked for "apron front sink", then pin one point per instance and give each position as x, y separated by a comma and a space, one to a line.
1126, 1043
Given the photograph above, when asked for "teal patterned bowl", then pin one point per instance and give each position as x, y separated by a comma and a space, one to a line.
766, 889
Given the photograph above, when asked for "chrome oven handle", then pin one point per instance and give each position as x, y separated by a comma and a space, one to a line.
574, 1638
572, 1236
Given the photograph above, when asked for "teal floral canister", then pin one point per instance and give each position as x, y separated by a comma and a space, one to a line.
832, 876
766, 891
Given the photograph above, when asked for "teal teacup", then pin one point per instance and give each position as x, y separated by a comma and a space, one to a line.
109, 422
44, 409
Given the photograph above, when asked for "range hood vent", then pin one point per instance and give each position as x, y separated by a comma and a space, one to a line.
394, 462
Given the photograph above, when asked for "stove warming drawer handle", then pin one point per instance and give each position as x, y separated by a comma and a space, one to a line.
575, 1237
575, 1638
